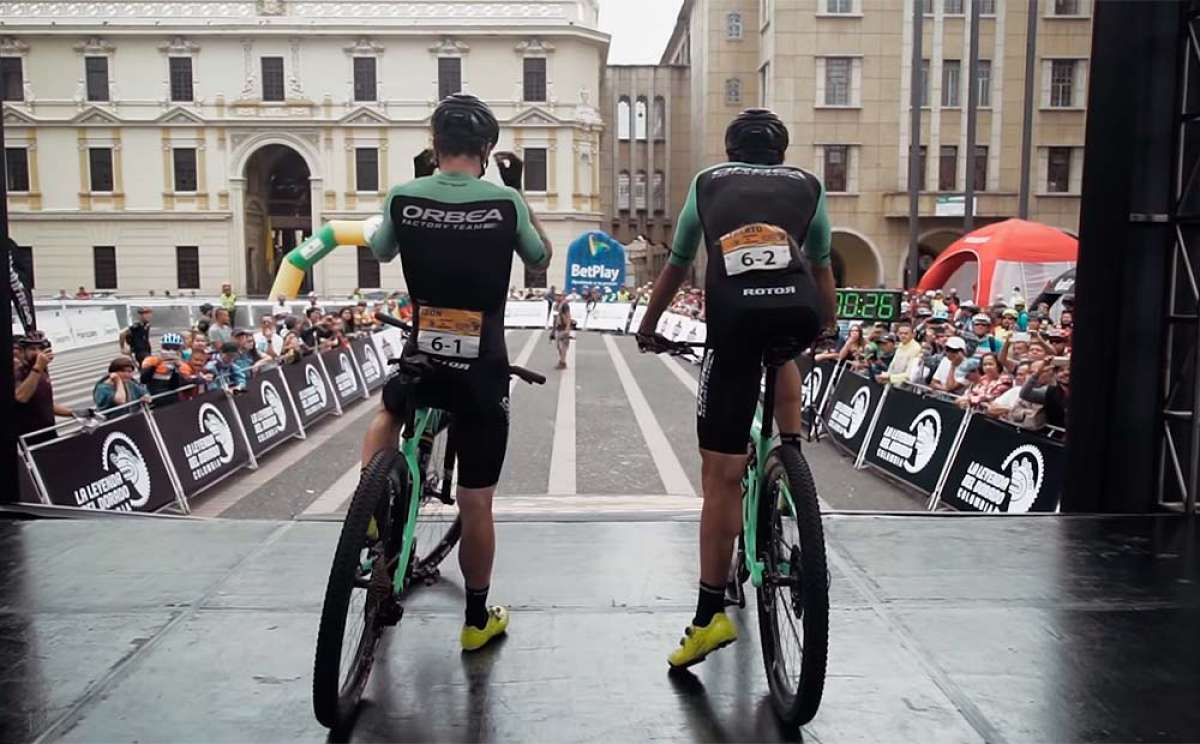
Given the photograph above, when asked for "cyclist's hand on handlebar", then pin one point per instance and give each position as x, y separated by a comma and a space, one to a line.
511, 167
655, 343
424, 164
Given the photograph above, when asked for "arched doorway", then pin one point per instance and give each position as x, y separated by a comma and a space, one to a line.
855, 260
278, 213
929, 246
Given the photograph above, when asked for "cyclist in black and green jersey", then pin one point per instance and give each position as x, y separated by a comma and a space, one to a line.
768, 242
455, 234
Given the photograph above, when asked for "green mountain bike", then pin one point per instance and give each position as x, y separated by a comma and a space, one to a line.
781, 552
399, 528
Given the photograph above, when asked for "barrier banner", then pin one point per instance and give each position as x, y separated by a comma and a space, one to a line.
817, 378
526, 314
265, 412
342, 375
310, 391
116, 467
27, 491
1000, 468
849, 414
914, 437
609, 316
673, 326
390, 344
202, 440
369, 362
639, 312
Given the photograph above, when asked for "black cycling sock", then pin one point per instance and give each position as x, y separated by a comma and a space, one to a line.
796, 439
477, 607
711, 601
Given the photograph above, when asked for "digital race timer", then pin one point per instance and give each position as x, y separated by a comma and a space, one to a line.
868, 304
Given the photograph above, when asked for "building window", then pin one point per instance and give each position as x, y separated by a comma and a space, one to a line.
947, 167
660, 119
364, 79
953, 7
184, 159
1058, 170
535, 169
981, 167
22, 258
839, 6
659, 186
104, 266
12, 81
1062, 83
449, 76
921, 168
16, 168
951, 77
924, 81
987, 7
838, 71
368, 268
733, 26
983, 76
96, 70
837, 162
187, 266
927, 7
623, 191
272, 79
624, 119
180, 73
366, 169
535, 79
639, 119
1066, 7
639, 191
733, 92
100, 168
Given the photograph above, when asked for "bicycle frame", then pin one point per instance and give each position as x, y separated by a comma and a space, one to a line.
422, 420
761, 434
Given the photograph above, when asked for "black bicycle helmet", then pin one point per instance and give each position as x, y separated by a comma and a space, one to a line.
757, 135
464, 125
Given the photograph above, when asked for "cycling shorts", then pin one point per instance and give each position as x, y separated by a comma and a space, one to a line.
478, 401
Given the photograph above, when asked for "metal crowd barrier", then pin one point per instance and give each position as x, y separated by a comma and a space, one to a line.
147, 454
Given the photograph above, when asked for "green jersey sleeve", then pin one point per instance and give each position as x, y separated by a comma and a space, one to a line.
530, 247
688, 231
818, 244
383, 240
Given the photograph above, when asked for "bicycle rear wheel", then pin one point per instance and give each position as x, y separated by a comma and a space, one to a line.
359, 599
438, 527
793, 602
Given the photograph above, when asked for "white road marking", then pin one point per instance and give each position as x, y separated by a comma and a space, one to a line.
562, 454
688, 381
523, 357
674, 479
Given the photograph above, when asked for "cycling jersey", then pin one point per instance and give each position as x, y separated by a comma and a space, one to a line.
764, 228
455, 235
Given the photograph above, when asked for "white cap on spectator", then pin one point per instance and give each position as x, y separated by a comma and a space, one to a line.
956, 343
982, 318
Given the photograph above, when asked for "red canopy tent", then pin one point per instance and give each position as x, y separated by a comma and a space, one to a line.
990, 261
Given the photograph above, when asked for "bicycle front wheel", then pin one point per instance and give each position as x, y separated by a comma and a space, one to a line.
438, 527
359, 599
793, 601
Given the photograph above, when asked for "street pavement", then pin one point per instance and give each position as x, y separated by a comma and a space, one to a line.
611, 436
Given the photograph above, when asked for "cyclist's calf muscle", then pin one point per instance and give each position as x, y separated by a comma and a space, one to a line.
382, 434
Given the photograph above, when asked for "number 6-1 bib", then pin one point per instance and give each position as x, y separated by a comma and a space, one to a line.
757, 247
449, 332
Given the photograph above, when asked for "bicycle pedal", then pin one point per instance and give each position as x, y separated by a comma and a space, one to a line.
390, 613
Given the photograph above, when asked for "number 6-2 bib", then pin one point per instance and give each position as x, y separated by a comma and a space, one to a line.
449, 332
757, 247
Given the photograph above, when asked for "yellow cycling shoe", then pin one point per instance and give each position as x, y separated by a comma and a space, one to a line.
698, 642
474, 638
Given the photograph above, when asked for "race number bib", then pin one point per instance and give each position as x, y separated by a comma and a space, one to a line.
757, 247
449, 332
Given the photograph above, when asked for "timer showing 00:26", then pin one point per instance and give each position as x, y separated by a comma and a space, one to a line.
865, 304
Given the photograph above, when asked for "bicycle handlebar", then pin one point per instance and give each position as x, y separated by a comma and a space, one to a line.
528, 375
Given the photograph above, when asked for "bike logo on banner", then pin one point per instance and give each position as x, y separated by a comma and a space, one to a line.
1019, 481
313, 396
915, 448
371, 368
271, 419
214, 447
812, 386
127, 485
847, 418
345, 381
